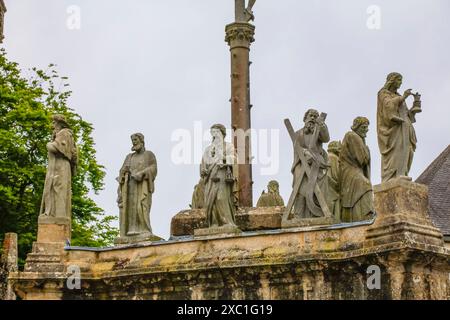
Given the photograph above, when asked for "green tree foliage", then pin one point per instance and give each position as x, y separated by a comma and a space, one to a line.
26, 106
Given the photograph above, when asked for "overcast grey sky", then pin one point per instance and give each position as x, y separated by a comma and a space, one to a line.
155, 66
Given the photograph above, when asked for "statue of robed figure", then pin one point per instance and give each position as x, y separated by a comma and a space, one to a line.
396, 135
356, 188
310, 185
62, 163
136, 187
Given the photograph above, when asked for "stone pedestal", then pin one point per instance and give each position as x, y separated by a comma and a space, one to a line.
247, 219
296, 223
402, 214
139, 238
53, 229
54, 233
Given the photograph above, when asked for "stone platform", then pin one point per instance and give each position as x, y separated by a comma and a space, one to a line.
247, 219
315, 262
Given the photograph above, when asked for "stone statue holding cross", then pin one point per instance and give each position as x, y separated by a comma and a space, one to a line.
310, 187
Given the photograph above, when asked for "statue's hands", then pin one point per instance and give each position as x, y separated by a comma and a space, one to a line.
320, 122
407, 93
137, 176
309, 156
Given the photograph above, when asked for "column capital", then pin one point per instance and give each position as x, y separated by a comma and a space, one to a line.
240, 34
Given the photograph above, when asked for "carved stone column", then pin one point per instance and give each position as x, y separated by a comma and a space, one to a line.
239, 36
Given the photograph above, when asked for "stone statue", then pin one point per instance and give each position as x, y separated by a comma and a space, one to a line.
62, 162
310, 167
136, 186
334, 149
198, 197
217, 171
396, 135
272, 198
356, 188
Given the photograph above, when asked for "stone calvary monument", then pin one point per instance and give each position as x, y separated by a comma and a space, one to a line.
336, 234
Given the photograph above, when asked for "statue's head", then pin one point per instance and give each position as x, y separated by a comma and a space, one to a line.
137, 139
59, 122
273, 186
310, 118
393, 81
218, 132
361, 126
335, 147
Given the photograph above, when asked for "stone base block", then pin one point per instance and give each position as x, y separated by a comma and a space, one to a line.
296, 223
264, 218
53, 229
402, 209
217, 231
143, 237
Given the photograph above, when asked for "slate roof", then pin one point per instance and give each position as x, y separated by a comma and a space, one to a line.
437, 178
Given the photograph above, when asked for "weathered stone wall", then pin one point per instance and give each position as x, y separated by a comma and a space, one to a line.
319, 262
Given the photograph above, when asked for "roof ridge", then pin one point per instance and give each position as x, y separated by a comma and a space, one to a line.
429, 173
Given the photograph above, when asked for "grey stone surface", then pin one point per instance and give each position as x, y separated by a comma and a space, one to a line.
62, 162
310, 186
217, 170
136, 187
396, 134
142, 237
217, 231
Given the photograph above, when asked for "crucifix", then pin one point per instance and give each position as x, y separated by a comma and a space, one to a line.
239, 36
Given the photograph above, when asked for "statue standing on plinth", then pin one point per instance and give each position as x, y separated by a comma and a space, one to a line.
136, 187
310, 185
396, 135
62, 162
356, 188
